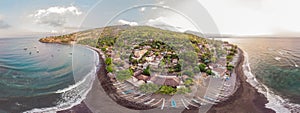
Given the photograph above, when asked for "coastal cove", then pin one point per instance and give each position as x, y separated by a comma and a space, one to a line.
256, 100
246, 97
149, 56
93, 81
37, 76
79, 79
271, 66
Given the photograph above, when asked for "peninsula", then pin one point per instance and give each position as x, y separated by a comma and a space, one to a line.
146, 67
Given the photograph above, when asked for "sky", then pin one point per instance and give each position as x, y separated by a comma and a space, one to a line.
235, 17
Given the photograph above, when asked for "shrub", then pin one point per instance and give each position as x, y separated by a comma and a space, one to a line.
209, 72
147, 71
149, 88
167, 90
213, 59
123, 75
196, 69
135, 61
190, 57
202, 67
229, 58
188, 73
188, 82
183, 90
103, 49
110, 68
177, 68
108, 61
231, 53
230, 67
108, 41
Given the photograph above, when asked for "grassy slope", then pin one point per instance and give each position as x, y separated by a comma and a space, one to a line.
114, 31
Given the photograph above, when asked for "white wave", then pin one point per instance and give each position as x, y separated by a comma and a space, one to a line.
69, 100
270, 49
68, 96
277, 103
277, 58
280, 52
74, 85
292, 62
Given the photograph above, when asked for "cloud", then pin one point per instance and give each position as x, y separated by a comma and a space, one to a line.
161, 2
142, 9
3, 25
124, 22
55, 16
154, 8
161, 23
257, 17
174, 23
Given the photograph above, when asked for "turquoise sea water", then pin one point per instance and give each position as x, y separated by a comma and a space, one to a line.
275, 63
35, 75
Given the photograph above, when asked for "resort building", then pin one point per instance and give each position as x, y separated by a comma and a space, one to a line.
135, 82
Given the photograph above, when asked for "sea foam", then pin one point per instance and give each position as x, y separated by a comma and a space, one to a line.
276, 102
70, 95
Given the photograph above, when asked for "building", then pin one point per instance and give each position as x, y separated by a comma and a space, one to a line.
172, 81
169, 81
143, 77
135, 82
137, 73
139, 53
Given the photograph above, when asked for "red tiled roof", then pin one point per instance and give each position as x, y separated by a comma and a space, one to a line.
143, 77
174, 81
138, 72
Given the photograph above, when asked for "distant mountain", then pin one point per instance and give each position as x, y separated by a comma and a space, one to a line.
168, 27
116, 31
195, 33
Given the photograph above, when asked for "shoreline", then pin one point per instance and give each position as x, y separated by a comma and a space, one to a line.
110, 91
246, 97
276, 102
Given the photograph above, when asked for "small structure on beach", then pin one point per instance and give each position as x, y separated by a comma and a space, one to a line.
135, 82
139, 53
219, 71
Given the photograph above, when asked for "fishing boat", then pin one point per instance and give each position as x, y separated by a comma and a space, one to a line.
173, 103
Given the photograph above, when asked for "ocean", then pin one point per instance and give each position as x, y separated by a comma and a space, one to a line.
39, 77
274, 69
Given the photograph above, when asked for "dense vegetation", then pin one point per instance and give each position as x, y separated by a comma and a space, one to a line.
64, 39
149, 88
124, 75
167, 90
192, 54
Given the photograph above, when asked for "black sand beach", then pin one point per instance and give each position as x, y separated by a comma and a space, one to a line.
245, 100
